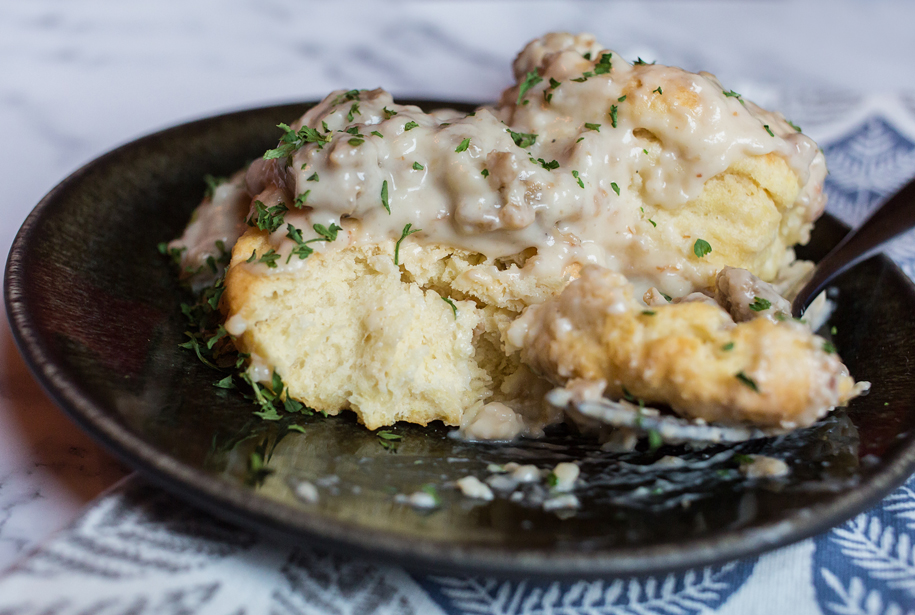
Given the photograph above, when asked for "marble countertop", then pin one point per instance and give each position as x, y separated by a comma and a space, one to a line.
82, 78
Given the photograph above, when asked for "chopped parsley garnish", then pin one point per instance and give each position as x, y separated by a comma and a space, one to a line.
603, 65
641, 62
554, 84
356, 142
225, 383
267, 218
418, 167
587, 55
530, 80
485, 172
269, 258
615, 188
384, 195
578, 179
648, 312
212, 183
769, 130
300, 199
701, 248
580, 139
292, 140
829, 347
353, 112
407, 231
613, 111
522, 139
793, 125
388, 114
389, 440
654, 439
302, 249
377, 134
747, 381
253, 257
666, 297
313, 178
350, 95
353, 130
728, 346
653, 223
451, 303
409, 126
594, 127
549, 166
463, 145
174, 254
732, 94
760, 305
833, 330
658, 90
621, 98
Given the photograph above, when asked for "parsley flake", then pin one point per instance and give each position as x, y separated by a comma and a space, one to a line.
451, 303
313, 178
292, 140
269, 258
377, 134
225, 383
648, 312
300, 199
731, 94
384, 195
760, 305
578, 179
701, 248
463, 146
353, 111
485, 172
554, 84
389, 440
407, 231
603, 65
388, 114
769, 130
621, 98
615, 188
658, 90
653, 223
747, 381
793, 125
418, 167
356, 142
522, 139
829, 347
530, 80
613, 111
594, 127
728, 346
267, 218
549, 166
409, 126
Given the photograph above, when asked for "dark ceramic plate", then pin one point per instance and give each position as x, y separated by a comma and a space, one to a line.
94, 309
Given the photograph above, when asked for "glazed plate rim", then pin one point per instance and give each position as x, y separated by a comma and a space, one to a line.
227, 500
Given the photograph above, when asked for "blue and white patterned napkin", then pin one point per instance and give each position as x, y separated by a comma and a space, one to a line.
138, 551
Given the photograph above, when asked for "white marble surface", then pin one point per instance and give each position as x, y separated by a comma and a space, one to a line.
77, 79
